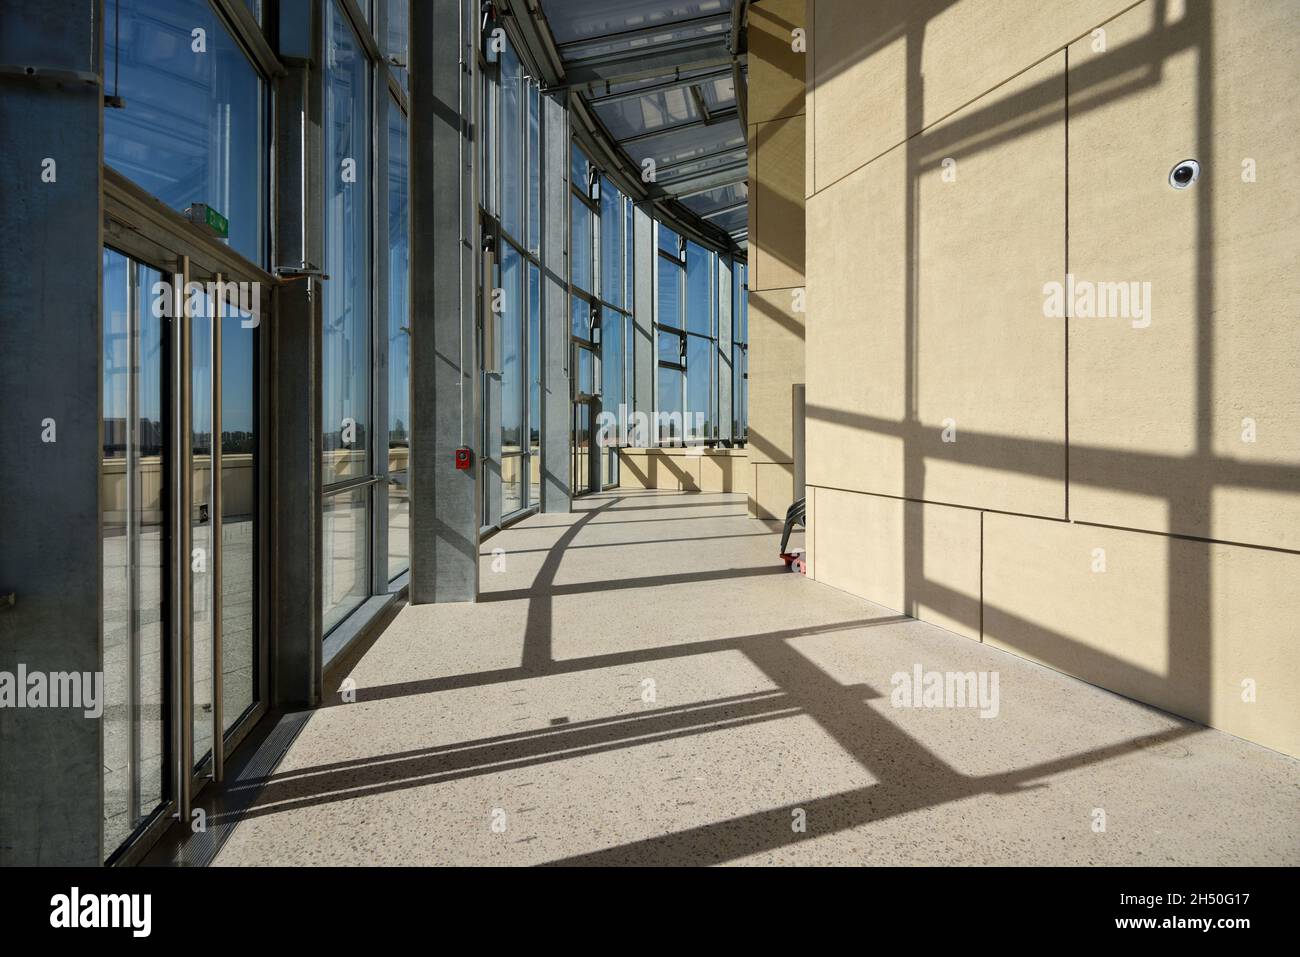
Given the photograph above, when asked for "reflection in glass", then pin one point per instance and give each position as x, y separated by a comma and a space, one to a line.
345, 390
580, 223
399, 348
512, 154
581, 443
345, 554
669, 405
534, 384
699, 386
611, 244
670, 293
511, 345
612, 360
191, 130
201, 523
133, 520
395, 45
533, 176
239, 466
699, 290
512, 490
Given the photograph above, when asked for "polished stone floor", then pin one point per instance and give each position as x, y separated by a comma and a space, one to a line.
643, 683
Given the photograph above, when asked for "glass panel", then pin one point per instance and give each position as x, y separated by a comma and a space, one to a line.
512, 153
581, 478
699, 290
670, 347
200, 522
629, 247
489, 145
699, 387
512, 489
581, 240
396, 43
611, 244
512, 351
669, 241
345, 399
670, 293
192, 127
345, 554
612, 361
578, 169
669, 407
134, 549
534, 358
586, 378
399, 347
533, 174
581, 318
239, 464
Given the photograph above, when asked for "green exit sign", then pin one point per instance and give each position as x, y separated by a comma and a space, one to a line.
201, 214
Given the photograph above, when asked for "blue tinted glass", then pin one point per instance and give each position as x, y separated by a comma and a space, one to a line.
611, 243
399, 345
191, 130
512, 349
345, 388
399, 30
534, 355
699, 289
669, 405
581, 318
578, 169
533, 173
670, 295
669, 240
512, 153
699, 386
611, 360
581, 240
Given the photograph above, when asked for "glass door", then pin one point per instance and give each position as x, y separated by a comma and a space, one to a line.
182, 658
586, 408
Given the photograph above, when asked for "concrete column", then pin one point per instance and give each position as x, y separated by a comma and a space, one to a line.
643, 315
444, 363
51, 767
557, 411
295, 331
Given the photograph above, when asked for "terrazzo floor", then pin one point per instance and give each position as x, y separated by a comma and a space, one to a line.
642, 682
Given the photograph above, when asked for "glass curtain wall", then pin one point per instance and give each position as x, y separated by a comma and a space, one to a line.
670, 336
511, 211
615, 285
585, 309
365, 390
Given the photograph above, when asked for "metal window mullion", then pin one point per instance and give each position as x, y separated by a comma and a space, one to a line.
134, 737
182, 581
214, 531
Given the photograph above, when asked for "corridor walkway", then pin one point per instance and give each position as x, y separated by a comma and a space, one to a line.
643, 683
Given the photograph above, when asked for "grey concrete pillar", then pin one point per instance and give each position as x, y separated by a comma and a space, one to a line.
725, 378
444, 231
295, 331
645, 261
557, 409
51, 331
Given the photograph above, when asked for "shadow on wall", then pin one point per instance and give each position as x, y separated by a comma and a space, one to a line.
1100, 430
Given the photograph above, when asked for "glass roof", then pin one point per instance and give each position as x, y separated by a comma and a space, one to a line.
658, 76
572, 20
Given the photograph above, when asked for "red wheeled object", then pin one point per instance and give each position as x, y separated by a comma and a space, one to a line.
793, 560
